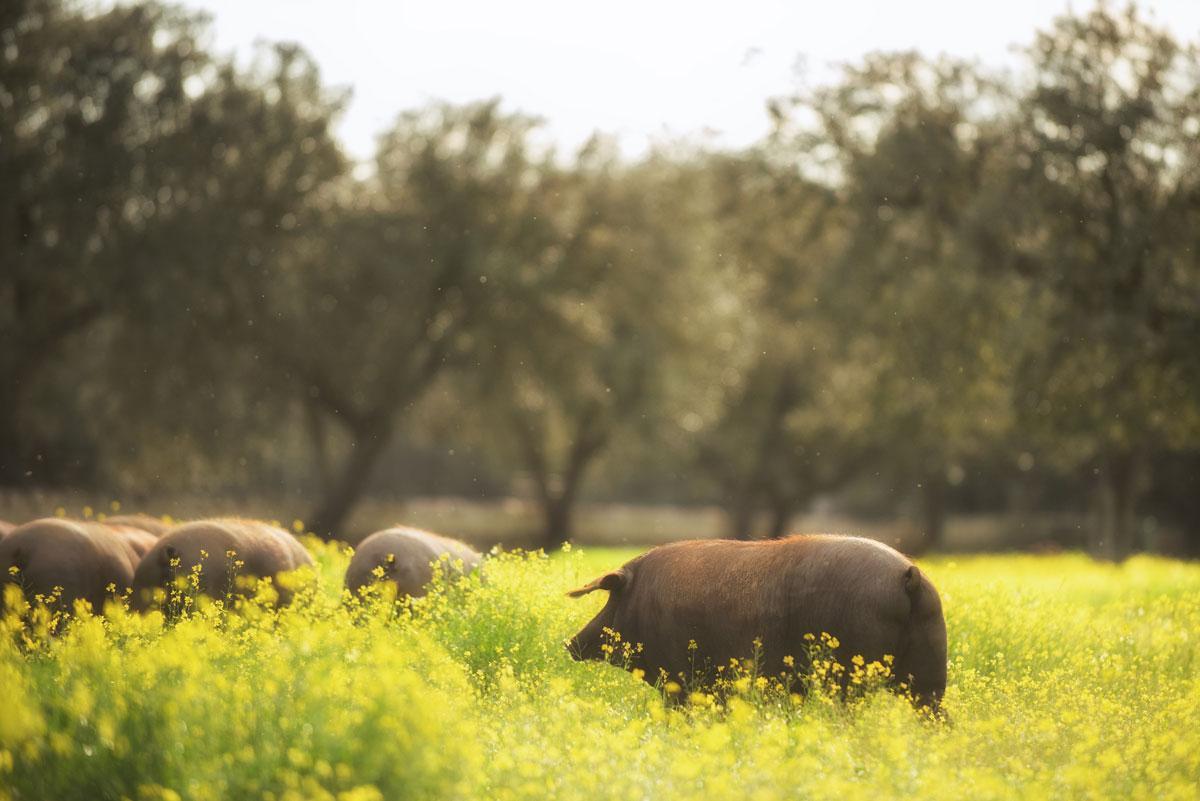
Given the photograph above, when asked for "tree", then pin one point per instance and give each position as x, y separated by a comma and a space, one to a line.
1106, 188
182, 359
909, 147
610, 332
785, 433
393, 286
145, 185
83, 101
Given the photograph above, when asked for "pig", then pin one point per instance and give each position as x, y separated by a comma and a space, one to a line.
5, 528
152, 525
87, 560
225, 549
137, 538
725, 594
406, 556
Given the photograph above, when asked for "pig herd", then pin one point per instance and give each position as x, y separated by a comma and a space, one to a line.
95, 561
690, 606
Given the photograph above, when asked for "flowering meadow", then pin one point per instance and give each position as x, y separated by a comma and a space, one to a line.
1068, 679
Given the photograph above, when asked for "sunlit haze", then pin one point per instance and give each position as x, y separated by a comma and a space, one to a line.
642, 71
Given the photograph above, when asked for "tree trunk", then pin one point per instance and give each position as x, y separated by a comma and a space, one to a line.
14, 444
781, 517
12, 462
33, 352
339, 498
1126, 496
742, 510
739, 515
558, 514
320, 444
558, 506
1120, 482
933, 512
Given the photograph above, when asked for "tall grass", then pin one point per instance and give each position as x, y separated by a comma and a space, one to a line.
1068, 679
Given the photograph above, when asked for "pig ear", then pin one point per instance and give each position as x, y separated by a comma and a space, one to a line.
609, 581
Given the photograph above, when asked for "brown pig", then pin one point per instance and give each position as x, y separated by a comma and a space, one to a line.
86, 560
224, 550
138, 539
405, 557
723, 595
152, 525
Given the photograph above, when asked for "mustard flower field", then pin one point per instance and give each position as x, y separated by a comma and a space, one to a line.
1068, 679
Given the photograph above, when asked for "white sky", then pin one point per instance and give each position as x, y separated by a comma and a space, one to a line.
641, 70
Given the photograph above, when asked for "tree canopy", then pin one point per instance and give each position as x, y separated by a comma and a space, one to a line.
931, 285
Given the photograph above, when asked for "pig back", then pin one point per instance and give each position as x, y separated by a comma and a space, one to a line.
222, 550
138, 541
405, 557
723, 596
151, 525
86, 560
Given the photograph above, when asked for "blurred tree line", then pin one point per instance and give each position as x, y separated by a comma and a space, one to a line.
931, 289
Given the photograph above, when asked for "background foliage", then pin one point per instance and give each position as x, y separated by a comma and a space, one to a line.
932, 290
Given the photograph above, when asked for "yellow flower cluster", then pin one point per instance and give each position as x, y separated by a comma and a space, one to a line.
1068, 679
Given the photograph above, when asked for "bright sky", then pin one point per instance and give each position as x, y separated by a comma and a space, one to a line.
643, 70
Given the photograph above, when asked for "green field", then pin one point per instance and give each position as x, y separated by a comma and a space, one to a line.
1068, 679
